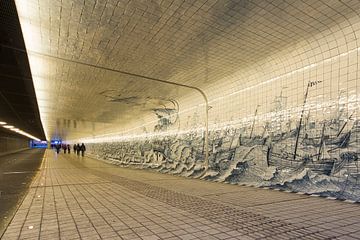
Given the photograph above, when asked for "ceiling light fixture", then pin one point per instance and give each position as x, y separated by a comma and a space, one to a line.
2, 123
19, 131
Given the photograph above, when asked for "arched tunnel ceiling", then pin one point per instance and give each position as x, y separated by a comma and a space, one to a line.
190, 42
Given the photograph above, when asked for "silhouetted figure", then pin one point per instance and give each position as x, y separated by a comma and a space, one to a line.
82, 149
68, 148
75, 148
64, 148
58, 146
78, 149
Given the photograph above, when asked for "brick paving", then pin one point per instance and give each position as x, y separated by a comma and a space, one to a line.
81, 198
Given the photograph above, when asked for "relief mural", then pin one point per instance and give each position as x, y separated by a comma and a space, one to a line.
296, 153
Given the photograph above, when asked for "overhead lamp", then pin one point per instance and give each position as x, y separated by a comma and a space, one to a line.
19, 131
3, 123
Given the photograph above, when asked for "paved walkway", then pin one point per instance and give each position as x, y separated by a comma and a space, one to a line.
17, 171
81, 198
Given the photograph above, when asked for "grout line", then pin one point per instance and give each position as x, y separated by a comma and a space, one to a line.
70, 184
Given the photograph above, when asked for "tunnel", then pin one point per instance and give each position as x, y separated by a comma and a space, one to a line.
179, 119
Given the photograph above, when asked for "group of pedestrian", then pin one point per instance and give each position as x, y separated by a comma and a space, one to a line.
79, 148
66, 147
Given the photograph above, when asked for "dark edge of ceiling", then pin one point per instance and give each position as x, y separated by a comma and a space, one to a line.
18, 104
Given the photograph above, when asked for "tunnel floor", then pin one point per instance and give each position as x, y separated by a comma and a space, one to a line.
17, 171
80, 198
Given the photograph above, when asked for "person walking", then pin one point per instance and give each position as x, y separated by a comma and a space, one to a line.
58, 147
68, 148
75, 148
64, 148
82, 149
78, 149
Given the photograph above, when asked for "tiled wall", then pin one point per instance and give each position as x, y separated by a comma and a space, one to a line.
290, 120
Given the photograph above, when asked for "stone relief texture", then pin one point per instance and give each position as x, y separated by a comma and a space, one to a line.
294, 152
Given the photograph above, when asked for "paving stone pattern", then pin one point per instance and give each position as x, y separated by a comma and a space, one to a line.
71, 199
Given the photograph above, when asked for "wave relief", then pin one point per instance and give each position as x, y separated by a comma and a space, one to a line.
322, 158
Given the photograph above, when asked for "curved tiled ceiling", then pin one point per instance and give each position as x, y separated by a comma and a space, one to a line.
199, 43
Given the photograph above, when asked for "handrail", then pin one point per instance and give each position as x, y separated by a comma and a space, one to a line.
140, 76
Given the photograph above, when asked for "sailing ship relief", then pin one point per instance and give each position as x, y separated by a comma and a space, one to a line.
302, 152
314, 156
